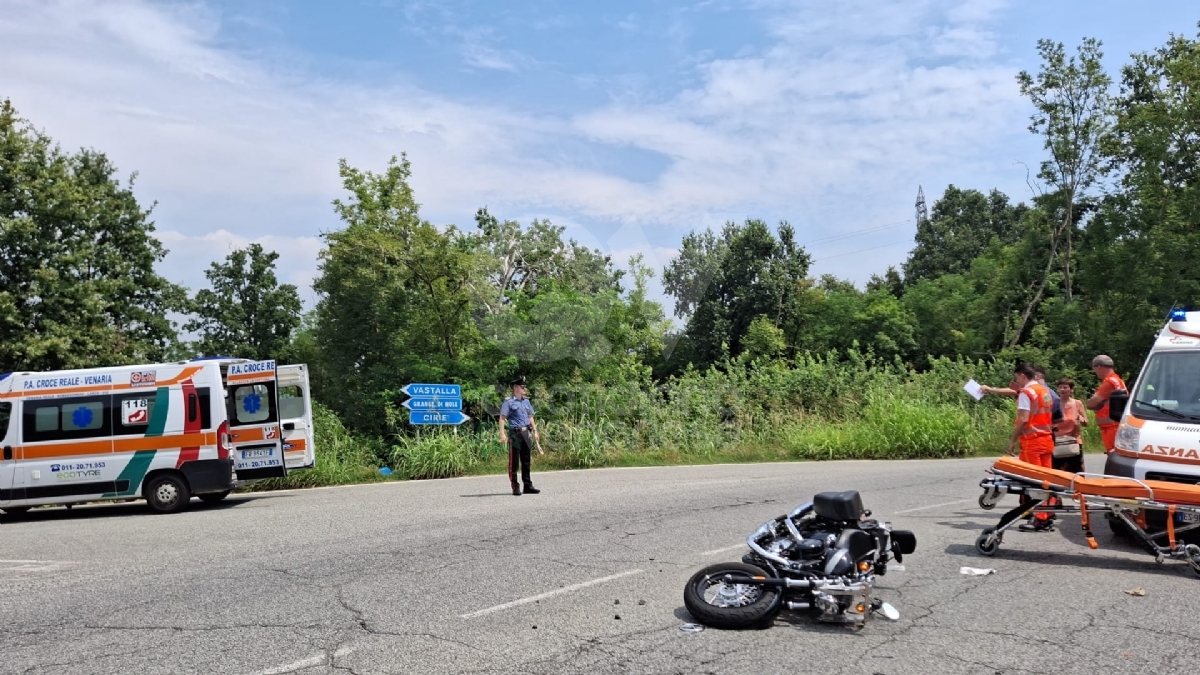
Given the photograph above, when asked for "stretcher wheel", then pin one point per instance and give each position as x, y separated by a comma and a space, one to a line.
1193, 554
987, 543
985, 503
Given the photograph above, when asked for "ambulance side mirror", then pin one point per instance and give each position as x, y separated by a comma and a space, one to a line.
1116, 404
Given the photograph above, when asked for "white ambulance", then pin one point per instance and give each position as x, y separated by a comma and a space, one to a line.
1159, 435
162, 432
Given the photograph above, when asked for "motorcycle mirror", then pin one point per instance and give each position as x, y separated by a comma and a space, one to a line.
889, 612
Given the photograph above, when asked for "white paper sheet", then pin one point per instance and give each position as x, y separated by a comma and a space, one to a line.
974, 389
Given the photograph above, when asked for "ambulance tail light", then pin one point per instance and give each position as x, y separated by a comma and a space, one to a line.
223, 440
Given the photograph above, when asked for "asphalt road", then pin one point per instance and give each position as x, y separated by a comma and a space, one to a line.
460, 576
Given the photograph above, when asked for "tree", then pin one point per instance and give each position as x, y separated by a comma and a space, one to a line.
843, 318
1138, 254
394, 297
77, 255
723, 283
960, 227
764, 339
246, 312
1072, 114
516, 260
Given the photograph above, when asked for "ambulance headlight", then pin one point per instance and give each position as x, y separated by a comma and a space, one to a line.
1128, 438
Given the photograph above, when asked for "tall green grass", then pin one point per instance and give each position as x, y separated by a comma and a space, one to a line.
814, 408
341, 457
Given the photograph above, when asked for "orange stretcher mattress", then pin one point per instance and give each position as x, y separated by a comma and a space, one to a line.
1116, 488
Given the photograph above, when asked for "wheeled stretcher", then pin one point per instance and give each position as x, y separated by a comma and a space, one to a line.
1126, 500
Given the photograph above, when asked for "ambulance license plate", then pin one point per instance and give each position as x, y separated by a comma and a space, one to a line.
257, 453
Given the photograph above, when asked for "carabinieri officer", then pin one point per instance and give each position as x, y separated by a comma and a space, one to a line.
516, 418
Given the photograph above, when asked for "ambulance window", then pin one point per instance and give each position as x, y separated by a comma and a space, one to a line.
66, 419
83, 416
252, 403
205, 407
46, 419
134, 412
5, 414
291, 402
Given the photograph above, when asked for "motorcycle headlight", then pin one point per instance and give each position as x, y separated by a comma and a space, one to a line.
1128, 438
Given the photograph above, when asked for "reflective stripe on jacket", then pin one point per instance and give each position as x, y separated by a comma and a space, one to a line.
1041, 410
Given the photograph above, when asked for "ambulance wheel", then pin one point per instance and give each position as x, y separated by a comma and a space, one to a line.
167, 493
213, 497
987, 543
1119, 528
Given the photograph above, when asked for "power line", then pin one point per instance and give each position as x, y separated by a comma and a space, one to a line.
856, 233
861, 251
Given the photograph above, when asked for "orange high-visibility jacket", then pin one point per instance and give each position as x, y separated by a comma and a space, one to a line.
1041, 407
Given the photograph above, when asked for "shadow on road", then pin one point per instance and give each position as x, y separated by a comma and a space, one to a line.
785, 619
133, 509
1066, 559
489, 494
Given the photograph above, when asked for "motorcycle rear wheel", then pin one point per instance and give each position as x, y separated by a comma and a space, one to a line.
733, 606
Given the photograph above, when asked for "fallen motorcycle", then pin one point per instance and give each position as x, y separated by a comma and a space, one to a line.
821, 559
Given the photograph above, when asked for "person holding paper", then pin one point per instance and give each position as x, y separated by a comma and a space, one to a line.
1040, 376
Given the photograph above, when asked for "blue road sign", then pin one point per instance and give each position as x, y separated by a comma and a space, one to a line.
435, 403
439, 390
432, 417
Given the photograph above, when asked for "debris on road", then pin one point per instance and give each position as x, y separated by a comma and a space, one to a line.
976, 571
1137, 591
691, 628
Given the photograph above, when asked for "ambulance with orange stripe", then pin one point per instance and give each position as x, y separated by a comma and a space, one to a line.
162, 432
1159, 434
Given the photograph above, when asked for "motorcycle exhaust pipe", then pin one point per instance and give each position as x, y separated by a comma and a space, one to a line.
799, 605
775, 582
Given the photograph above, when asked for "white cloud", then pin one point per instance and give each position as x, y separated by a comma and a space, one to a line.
190, 255
832, 120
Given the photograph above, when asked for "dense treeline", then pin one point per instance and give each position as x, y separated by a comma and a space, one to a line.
763, 353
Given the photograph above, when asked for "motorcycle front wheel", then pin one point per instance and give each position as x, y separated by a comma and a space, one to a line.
718, 604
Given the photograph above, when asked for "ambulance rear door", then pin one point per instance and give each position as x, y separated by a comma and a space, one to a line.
295, 415
252, 398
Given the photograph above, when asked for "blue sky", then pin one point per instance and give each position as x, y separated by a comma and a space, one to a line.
631, 123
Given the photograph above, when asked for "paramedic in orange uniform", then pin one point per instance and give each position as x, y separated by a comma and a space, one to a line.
1033, 429
1109, 382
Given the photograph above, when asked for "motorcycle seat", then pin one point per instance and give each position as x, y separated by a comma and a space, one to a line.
841, 506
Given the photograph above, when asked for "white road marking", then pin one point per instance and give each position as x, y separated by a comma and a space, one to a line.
34, 565
550, 594
933, 506
310, 662
723, 550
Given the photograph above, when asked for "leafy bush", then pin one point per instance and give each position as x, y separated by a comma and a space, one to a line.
434, 455
341, 457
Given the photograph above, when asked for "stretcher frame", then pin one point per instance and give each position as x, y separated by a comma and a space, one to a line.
1072, 500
